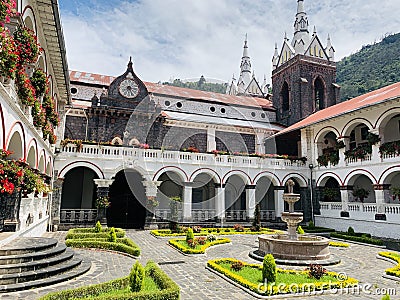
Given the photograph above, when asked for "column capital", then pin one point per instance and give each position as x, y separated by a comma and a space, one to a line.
374, 131
279, 188
250, 187
346, 188
381, 187
103, 182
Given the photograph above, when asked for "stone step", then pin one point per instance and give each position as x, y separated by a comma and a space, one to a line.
79, 270
33, 265
31, 256
27, 245
13, 278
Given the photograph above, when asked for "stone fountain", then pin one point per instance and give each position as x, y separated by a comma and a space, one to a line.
292, 246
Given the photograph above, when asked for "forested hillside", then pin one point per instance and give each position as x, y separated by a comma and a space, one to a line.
202, 85
373, 67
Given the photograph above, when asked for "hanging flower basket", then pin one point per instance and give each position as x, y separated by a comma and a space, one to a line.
7, 10
103, 202
8, 55
39, 82
27, 45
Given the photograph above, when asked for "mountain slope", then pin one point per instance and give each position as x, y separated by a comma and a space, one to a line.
373, 67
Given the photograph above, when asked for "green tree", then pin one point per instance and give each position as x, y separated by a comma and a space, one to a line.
136, 277
269, 269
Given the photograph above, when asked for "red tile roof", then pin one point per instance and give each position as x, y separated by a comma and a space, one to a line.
371, 98
159, 89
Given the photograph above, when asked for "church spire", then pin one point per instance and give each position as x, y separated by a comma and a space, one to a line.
301, 36
275, 58
245, 65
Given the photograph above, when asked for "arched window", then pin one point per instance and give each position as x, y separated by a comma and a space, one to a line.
285, 97
319, 94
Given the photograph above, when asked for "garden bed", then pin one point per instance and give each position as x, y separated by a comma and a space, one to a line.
184, 247
216, 231
250, 277
316, 229
395, 271
339, 244
89, 238
157, 286
360, 238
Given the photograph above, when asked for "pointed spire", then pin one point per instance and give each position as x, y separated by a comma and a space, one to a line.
275, 58
315, 31
301, 36
328, 42
329, 49
285, 38
300, 7
245, 48
245, 65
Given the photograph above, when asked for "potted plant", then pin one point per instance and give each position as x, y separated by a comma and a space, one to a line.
395, 192
7, 10
8, 56
360, 193
331, 194
39, 82
373, 138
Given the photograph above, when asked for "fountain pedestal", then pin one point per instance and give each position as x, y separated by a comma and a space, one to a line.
292, 246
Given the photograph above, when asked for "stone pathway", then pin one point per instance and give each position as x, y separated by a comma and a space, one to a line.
198, 283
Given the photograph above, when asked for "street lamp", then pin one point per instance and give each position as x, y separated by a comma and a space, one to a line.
311, 166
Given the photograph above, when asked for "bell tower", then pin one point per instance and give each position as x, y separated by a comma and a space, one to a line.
304, 73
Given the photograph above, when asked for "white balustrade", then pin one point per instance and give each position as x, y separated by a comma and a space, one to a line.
78, 216
236, 215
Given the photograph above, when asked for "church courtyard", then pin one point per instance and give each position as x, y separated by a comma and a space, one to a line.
196, 282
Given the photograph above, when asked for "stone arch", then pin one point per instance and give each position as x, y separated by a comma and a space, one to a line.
29, 18
213, 174
41, 165
319, 93
353, 123
349, 179
322, 132
235, 191
363, 180
285, 96
180, 172
243, 175
387, 174
385, 117
32, 156
117, 141
145, 174
79, 190
271, 176
388, 125
203, 190
328, 188
86, 164
321, 180
42, 62
49, 167
300, 179
16, 141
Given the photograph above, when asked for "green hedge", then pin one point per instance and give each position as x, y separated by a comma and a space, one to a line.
215, 231
317, 229
175, 243
169, 289
360, 239
89, 235
122, 245
395, 271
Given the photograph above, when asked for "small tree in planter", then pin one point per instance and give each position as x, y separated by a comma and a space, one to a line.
360, 193
331, 194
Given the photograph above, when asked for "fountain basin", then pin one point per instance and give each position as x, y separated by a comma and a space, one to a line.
306, 247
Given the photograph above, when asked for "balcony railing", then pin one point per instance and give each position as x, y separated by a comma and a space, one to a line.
112, 152
78, 216
236, 215
268, 215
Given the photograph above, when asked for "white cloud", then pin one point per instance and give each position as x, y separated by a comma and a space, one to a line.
186, 39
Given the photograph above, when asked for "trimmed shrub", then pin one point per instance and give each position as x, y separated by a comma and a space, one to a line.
359, 239
350, 231
189, 235
103, 245
300, 230
98, 227
136, 277
386, 297
311, 225
269, 269
237, 265
112, 235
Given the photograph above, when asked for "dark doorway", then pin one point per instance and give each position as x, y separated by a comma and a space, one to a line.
127, 197
79, 190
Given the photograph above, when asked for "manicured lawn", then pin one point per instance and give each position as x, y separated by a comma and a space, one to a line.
183, 246
287, 281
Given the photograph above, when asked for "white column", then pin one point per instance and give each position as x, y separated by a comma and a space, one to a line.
375, 155
187, 201
260, 146
346, 196
220, 202
211, 143
279, 204
250, 200
346, 142
380, 191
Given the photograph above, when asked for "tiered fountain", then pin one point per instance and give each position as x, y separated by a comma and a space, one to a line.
293, 246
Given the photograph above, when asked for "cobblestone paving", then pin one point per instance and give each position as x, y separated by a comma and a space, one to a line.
198, 283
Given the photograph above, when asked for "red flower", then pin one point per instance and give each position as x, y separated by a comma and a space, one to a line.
20, 173
7, 187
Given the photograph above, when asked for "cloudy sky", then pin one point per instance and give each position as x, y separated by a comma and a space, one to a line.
187, 38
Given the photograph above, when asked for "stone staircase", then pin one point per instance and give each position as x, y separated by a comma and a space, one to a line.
28, 263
